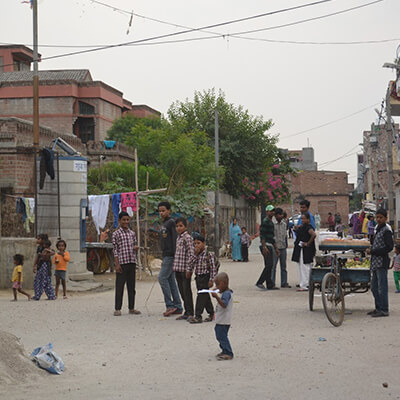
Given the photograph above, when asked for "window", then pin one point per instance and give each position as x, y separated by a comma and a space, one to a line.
85, 108
1, 64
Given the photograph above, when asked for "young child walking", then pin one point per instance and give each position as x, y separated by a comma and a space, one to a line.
42, 268
223, 315
60, 260
396, 267
17, 277
183, 254
203, 265
245, 241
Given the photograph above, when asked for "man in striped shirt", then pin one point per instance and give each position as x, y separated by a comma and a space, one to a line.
183, 254
125, 248
203, 265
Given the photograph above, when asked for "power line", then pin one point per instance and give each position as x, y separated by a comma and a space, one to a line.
219, 36
310, 19
145, 40
330, 122
235, 35
323, 43
324, 164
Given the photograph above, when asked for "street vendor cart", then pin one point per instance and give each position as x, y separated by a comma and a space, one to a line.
99, 257
342, 270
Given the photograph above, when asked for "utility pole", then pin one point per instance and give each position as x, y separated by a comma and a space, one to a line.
375, 168
389, 131
216, 215
35, 104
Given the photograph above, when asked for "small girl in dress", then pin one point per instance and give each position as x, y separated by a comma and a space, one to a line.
17, 277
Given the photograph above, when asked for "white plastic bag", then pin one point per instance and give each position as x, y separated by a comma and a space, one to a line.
47, 359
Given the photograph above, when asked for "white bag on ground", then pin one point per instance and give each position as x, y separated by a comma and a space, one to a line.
47, 359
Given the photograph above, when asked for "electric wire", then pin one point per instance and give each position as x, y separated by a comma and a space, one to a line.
141, 41
330, 122
233, 35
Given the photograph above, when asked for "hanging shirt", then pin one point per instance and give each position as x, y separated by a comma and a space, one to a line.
115, 206
129, 200
30, 217
99, 208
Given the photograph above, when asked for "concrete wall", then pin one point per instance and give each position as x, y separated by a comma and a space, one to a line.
8, 248
73, 187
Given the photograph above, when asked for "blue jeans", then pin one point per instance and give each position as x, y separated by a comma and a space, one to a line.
282, 262
221, 333
167, 281
379, 288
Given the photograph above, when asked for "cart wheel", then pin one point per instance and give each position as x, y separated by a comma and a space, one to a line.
103, 264
333, 299
311, 295
92, 260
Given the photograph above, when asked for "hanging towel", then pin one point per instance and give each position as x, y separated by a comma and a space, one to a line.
115, 202
129, 200
99, 208
30, 217
31, 204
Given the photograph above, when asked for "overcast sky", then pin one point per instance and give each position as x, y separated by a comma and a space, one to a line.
298, 86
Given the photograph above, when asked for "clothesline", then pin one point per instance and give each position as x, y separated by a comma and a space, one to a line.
128, 202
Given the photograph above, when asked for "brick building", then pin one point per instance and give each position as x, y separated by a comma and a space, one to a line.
328, 191
70, 101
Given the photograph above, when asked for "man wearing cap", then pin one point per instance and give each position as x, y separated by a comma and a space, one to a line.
267, 237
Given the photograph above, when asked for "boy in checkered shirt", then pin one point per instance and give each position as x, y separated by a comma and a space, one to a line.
203, 265
125, 248
183, 254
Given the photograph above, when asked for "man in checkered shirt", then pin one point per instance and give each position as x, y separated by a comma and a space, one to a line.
183, 254
125, 248
203, 265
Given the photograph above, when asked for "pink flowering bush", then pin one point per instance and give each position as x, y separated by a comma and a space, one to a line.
270, 188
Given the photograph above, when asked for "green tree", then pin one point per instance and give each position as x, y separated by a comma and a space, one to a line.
246, 149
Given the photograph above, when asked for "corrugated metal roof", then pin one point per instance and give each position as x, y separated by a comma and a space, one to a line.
78, 75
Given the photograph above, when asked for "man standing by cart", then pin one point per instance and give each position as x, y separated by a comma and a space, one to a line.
380, 262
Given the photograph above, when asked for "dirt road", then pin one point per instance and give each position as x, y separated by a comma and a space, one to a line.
275, 339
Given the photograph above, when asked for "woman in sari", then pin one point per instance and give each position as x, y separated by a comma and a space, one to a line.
234, 237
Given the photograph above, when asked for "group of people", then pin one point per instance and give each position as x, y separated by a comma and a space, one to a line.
182, 255
42, 268
273, 247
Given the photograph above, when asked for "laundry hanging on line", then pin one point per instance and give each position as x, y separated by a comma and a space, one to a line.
26, 207
46, 165
98, 205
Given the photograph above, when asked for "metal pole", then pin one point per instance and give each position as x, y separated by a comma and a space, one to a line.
216, 216
391, 205
137, 208
291, 195
35, 76
375, 168
58, 196
35, 104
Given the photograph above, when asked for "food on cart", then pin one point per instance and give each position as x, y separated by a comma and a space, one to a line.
357, 263
345, 242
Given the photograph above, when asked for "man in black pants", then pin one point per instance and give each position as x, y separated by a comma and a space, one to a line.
125, 248
267, 237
